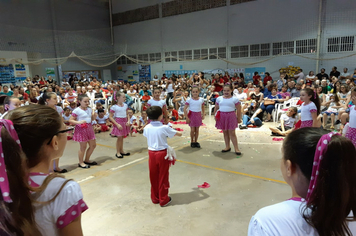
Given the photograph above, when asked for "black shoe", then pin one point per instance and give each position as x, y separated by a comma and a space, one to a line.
192, 145
238, 153
228, 150
170, 200
61, 171
337, 122
84, 167
197, 145
119, 156
243, 127
91, 163
125, 154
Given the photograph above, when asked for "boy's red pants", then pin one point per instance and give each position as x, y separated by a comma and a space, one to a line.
159, 176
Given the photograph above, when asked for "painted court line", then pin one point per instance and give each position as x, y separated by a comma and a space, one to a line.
234, 172
222, 141
127, 164
85, 179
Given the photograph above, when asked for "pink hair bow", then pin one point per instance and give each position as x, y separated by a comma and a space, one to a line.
4, 182
319, 153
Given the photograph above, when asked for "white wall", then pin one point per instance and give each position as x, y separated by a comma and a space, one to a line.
51, 28
261, 21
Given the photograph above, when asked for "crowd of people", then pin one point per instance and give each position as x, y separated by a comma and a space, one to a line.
80, 107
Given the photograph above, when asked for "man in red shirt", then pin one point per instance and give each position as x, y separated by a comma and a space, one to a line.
164, 77
267, 78
218, 83
256, 78
24, 95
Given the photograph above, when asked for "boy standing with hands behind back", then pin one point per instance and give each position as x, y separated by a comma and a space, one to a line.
161, 156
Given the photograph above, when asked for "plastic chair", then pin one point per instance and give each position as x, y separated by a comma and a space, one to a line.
280, 107
211, 106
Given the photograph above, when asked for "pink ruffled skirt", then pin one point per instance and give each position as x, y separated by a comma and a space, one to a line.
125, 129
195, 119
83, 133
226, 121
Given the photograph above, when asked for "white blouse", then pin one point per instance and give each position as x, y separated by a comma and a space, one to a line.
195, 105
119, 112
227, 104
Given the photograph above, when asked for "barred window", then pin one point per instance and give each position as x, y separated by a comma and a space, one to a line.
305, 46
129, 61
222, 52
341, 44
239, 51
212, 53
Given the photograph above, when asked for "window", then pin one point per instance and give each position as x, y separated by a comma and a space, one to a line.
255, 50
133, 57
347, 44
265, 49
288, 47
136, 15
121, 60
341, 44
222, 52
283, 48
177, 7
142, 58
212, 53
233, 2
155, 57
305, 46
171, 56
185, 55
200, 54
239, 51
277, 48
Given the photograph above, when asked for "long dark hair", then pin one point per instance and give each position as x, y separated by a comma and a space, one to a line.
334, 195
314, 98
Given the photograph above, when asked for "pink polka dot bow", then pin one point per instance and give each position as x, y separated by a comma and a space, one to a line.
319, 152
4, 182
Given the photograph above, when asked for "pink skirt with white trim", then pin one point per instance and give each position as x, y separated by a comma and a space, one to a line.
227, 121
351, 134
195, 119
306, 123
83, 134
125, 129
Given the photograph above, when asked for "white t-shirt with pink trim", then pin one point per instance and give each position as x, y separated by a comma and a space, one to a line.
66, 207
119, 112
306, 111
81, 114
284, 218
352, 122
195, 105
160, 103
227, 104
102, 120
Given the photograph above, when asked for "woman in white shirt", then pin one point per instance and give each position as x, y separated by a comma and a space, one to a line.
320, 169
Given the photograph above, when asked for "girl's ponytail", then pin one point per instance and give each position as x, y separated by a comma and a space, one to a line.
314, 98
333, 195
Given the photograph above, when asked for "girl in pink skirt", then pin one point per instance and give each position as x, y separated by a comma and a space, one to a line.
121, 121
82, 118
351, 131
195, 115
227, 113
156, 101
310, 109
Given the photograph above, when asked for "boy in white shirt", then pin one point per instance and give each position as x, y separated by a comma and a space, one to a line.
161, 156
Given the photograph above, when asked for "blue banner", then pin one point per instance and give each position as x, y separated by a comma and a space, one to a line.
169, 73
144, 73
249, 72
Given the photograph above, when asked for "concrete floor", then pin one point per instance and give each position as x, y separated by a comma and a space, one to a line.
117, 191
